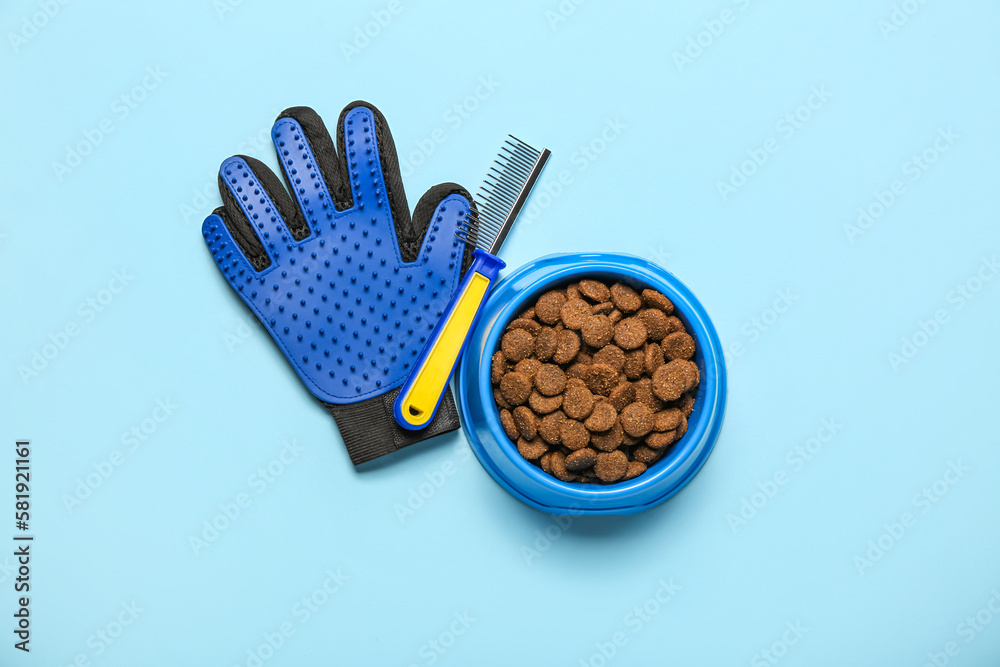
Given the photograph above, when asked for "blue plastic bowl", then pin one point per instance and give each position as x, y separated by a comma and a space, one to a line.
481, 419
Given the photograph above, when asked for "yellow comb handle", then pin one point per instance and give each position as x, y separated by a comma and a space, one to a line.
420, 395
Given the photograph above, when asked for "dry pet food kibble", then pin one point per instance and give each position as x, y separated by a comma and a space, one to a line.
595, 382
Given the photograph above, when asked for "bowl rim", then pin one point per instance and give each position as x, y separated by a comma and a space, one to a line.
685, 458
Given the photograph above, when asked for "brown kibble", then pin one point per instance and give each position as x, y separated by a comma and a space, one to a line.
567, 345
531, 449
685, 371
578, 401
545, 343
548, 306
621, 395
656, 323
545, 461
636, 419
558, 464
667, 420
607, 380
550, 380
528, 367
580, 459
597, 331
594, 290
531, 326
601, 378
653, 358
515, 387
509, 427
661, 440
630, 333
543, 405
550, 427
517, 344
668, 382
602, 417
644, 394
655, 299
611, 466
635, 364
498, 366
573, 434
678, 345
526, 422
500, 400
609, 440
611, 355
574, 313
693, 372
635, 468
644, 454
682, 428
625, 298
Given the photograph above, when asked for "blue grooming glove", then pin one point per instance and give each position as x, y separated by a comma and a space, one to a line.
348, 284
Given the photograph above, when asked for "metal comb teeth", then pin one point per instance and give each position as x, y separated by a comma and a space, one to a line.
503, 193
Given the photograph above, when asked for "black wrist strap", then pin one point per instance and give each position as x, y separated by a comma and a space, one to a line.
370, 431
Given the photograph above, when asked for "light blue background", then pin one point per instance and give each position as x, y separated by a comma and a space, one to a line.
137, 201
